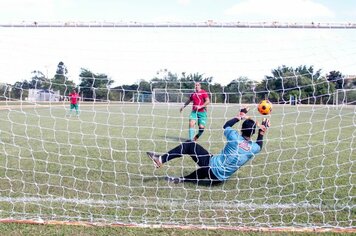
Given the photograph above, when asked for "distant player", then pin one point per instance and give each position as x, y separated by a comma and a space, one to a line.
238, 150
200, 99
74, 100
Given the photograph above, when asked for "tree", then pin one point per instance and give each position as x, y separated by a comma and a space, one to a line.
95, 86
216, 94
241, 90
38, 80
336, 78
61, 69
61, 83
187, 81
165, 79
6, 92
302, 83
168, 80
20, 90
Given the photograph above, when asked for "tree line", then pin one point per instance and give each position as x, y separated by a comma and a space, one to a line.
304, 84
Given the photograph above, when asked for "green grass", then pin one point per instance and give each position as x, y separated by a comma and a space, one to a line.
28, 229
94, 168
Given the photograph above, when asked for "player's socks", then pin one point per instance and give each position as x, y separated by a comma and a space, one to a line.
191, 133
201, 130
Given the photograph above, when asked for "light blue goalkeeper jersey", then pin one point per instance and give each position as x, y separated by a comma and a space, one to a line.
235, 154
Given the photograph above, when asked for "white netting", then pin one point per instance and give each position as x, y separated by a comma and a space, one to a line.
171, 95
57, 166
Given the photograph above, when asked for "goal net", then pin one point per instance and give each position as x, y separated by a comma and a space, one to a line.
171, 95
57, 164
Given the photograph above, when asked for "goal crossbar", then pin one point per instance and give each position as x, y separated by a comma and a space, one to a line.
211, 24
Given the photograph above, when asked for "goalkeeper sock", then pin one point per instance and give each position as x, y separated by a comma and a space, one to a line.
191, 133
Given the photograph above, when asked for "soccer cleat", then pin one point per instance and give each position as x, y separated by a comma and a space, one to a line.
174, 180
155, 158
195, 138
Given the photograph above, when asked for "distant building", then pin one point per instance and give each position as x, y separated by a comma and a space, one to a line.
42, 95
350, 81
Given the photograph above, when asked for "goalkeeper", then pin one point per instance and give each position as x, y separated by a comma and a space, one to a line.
218, 168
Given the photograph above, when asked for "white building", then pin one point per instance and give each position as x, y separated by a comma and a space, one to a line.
38, 95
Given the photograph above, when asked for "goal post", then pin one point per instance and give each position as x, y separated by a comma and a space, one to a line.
344, 97
92, 168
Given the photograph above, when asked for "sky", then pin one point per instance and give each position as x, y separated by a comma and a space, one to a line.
130, 54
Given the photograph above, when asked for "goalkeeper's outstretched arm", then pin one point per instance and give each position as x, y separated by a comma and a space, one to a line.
231, 122
262, 130
236, 119
259, 140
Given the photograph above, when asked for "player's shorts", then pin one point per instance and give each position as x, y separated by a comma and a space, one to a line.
74, 106
200, 116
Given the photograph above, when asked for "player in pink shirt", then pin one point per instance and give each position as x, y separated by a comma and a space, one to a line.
200, 99
74, 99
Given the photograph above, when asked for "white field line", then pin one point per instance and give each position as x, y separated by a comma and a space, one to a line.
161, 202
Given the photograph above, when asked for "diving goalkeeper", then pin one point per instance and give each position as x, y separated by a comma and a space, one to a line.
218, 168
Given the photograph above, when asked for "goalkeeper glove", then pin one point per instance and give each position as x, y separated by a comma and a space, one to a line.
265, 125
243, 112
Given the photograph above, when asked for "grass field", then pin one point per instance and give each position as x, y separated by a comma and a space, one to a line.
94, 168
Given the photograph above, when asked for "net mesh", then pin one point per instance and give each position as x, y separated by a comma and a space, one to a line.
93, 167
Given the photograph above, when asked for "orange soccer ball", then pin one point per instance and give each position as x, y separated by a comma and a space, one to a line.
264, 107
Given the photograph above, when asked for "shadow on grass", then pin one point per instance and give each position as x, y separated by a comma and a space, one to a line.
205, 183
